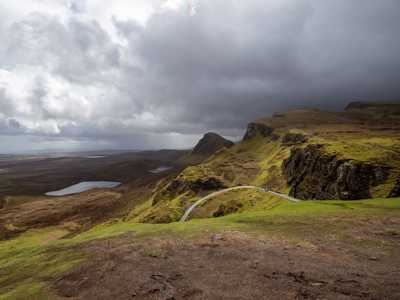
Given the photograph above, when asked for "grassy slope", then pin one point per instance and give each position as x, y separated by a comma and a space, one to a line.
31, 260
27, 262
255, 162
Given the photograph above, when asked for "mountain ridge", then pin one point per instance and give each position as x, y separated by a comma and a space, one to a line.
307, 153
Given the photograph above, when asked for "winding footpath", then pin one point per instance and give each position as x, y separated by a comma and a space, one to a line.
244, 187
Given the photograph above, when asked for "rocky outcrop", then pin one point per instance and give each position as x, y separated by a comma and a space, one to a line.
180, 186
396, 190
210, 143
198, 185
254, 129
291, 139
227, 209
313, 174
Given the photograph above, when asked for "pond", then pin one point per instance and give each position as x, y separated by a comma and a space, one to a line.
160, 169
84, 186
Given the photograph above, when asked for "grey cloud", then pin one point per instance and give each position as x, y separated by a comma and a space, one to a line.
262, 59
230, 63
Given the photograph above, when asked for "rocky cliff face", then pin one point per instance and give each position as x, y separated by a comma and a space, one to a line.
210, 143
254, 129
312, 174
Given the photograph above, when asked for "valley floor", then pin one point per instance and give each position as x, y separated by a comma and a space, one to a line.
307, 250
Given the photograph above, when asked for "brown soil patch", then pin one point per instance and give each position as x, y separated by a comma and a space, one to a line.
233, 265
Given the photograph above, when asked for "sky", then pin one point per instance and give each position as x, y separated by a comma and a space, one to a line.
150, 74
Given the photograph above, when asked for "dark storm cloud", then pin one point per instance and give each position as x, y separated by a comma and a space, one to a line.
217, 69
231, 63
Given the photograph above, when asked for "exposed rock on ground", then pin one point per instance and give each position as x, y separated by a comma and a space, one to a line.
210, 143
253, 129
293, 139
180, 186
229, 208
313, 174
208, 184
396, 190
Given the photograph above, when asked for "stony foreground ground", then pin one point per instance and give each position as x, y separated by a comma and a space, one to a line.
236, 265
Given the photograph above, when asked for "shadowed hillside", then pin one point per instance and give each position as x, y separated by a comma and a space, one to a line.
210, 143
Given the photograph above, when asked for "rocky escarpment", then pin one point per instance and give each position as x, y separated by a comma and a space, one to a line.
313, 174
254, 129
210, 143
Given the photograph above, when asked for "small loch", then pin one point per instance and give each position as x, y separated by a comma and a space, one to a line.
83, 187
160, 169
